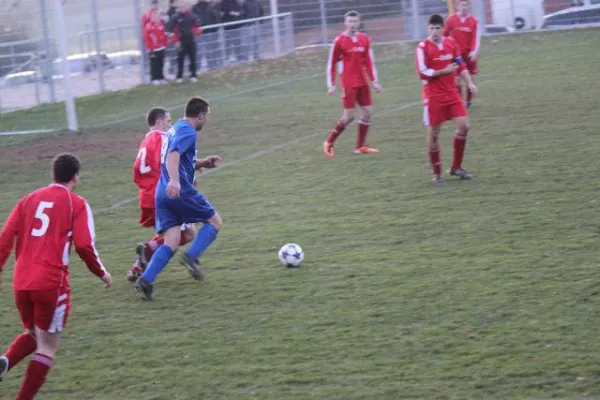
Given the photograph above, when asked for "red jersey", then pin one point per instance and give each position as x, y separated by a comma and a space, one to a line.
147, 17
431, 57
44, 223
465, 31
155, 37
146, 169
355, 59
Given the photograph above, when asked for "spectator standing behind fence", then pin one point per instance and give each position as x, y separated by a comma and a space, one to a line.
208, 42
253, 9
171, 49
184, 27
233, 11
156, 41
147, 16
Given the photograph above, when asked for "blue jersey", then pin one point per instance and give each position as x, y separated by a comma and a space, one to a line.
182, 139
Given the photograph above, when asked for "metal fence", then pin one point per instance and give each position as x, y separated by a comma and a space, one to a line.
102, 39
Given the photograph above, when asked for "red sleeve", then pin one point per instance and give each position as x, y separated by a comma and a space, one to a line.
334, 57
448, 27
84, 235
197, 29
9, 233
475, 37
370, 63
146, 34
421, 63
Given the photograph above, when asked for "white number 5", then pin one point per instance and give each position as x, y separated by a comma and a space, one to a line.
39, 214
144, 169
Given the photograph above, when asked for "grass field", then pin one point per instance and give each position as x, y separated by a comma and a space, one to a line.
485, 289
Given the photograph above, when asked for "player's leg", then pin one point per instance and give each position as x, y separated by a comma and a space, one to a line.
159, 261
168, 222
145, 250
364, 101
180, 60
192, 53
349, 103
461, 124
472, 67
24, 344
203, 211
433, 122
51, 311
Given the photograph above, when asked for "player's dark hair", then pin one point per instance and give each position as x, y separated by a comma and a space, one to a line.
352, 13
436, 19
64, 167
195, 107
155, 114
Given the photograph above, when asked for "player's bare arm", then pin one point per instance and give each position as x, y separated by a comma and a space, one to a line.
469, 81
208, 162
450, 69
173, 187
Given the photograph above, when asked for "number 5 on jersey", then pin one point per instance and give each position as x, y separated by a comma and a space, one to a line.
43, 217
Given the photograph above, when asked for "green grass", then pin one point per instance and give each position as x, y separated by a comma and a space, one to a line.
475, 290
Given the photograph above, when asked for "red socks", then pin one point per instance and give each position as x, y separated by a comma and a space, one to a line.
35, 376
363, 129
154, 244
21, 347
460, 142
436, 161
183, 239
337, 131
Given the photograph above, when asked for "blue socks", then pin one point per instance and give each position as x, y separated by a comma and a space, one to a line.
202, 241
159, 261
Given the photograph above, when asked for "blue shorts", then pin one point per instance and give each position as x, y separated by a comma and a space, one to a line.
182, 210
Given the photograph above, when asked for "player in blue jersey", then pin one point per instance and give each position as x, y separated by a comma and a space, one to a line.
177, 200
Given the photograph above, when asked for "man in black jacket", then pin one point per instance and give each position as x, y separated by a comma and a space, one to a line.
185, 25
253, 9
171, 50
232, 11
208, 41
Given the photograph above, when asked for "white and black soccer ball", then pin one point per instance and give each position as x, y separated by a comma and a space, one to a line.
291, 255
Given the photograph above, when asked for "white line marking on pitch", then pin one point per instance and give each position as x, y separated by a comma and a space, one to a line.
270, 150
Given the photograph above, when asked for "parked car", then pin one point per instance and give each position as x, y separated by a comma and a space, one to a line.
586, 15
83, 63
125, 58
19, 78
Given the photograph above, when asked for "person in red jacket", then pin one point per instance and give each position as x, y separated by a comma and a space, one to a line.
42, 228
156, 41
147, 16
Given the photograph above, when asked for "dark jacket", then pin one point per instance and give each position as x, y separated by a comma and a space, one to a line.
253, 9
229, 6
185, 25
208, 15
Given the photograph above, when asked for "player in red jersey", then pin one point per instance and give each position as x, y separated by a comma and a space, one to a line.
464, 28
438, 61
358, 72
44, 224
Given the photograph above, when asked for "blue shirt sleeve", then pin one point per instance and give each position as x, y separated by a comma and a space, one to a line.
183, 141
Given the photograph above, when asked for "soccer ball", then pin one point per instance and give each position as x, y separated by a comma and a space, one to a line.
291, 255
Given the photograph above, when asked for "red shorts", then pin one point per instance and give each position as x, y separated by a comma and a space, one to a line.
46, 309
360, 95
436, 115
470, 64
147, 217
